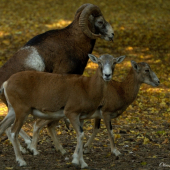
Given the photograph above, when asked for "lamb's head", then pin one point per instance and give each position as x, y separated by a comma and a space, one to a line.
145, 74
99, 26
106, 64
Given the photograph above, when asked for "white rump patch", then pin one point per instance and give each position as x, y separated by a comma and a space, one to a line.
4, 87
10, 108
34, 60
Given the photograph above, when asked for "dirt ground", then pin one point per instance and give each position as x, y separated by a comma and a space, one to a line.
142, 33
137, 153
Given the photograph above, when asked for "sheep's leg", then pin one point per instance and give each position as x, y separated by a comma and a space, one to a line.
6, 123
67, 122
95, 131
78, 153
15, 131
38, 125
15, 143
107, 121
81, 124
8, 120
8, 133
51, 129
26, 138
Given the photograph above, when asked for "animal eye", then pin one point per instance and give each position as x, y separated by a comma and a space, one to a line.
100, 22
147, 71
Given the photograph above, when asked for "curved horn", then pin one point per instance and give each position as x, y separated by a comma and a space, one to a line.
83, 20
81, 8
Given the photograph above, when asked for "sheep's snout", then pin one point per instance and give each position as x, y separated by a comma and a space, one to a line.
109, 33
107, 77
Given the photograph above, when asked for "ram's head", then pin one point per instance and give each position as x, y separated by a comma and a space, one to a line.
99, 27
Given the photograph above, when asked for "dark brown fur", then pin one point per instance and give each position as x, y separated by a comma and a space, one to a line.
63, 51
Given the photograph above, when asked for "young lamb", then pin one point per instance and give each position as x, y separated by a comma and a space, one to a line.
46, 95
59, 51
118, 97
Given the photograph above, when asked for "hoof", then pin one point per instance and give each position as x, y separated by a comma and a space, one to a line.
86, 150
63, 152
75, 162
23, 150
116, 152
22, 163
34, 151
83, 164
77, 166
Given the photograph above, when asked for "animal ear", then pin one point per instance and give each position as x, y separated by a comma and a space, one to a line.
120, 59
135, 66
93, 58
